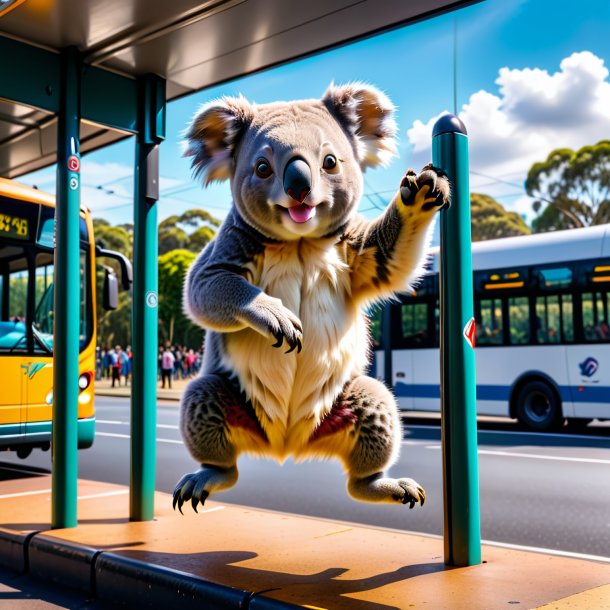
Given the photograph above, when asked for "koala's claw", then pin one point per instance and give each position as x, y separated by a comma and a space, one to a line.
190, 487
430, 189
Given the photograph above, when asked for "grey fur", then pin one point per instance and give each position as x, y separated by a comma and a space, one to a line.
225, 291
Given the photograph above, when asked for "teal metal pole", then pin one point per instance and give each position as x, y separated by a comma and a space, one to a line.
144, 321
458, 383
64, 477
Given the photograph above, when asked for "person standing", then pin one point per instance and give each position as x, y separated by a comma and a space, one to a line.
116, 358
167, 367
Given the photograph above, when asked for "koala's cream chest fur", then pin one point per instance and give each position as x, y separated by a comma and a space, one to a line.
292, 392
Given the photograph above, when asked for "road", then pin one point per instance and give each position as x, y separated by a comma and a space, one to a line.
548, 491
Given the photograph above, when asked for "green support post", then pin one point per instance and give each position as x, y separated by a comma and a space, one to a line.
458, 383
145, 299
64, 478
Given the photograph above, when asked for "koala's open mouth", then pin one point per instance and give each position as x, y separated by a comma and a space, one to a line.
301, 213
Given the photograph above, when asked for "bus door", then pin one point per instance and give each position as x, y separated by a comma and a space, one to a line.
13, 344
39, 387
589, 362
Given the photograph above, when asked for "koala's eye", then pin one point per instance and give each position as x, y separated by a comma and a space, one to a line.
263, 169
329, 163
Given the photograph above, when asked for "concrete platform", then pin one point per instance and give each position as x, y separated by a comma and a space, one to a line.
233, 557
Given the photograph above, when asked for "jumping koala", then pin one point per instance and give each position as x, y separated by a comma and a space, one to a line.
294, 266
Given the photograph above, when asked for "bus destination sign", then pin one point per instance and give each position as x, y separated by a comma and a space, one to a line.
14, 226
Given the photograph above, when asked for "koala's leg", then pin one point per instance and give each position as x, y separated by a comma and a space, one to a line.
378, 435
211, 408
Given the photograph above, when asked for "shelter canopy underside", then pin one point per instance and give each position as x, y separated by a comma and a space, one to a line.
190, 44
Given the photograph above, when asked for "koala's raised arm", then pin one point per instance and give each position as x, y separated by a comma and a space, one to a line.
218, 296
387, 253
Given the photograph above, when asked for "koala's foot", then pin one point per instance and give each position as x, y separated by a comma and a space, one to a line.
429, 190
378, 488
197, 486
377, 435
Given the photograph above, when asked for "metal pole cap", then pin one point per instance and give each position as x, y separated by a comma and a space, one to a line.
448, 123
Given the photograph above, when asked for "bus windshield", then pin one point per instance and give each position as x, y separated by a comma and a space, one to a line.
26, 299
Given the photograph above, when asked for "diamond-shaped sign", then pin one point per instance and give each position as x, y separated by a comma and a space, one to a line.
470, 332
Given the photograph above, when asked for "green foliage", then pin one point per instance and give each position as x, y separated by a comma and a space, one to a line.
491, 221
172, 235
174, 326
572, 188
181, 238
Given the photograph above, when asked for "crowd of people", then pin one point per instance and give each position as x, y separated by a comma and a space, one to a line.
114, 363
174, 362
178, 362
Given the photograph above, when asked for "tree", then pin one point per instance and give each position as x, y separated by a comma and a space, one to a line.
172, 235
173, 324
491, 221
572, 188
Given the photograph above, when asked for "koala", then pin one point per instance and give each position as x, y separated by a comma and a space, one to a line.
283, 288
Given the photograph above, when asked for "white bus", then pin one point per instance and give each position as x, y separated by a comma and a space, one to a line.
543, 340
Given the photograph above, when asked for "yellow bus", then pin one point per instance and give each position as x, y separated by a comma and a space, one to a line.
27, 235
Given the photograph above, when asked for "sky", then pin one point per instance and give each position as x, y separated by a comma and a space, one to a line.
525, 76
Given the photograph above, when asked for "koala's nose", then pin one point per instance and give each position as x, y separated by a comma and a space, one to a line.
297, 179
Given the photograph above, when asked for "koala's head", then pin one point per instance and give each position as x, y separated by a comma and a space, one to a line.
295, 167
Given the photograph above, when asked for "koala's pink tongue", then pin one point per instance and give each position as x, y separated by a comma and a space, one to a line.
301, 213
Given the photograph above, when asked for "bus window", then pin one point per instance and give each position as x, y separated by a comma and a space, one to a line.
519, 320
554, 319
595, 307
43, 308
414, 318
14, 293
375, 316
489, 326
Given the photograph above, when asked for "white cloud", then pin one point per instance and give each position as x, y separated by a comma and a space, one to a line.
534, 113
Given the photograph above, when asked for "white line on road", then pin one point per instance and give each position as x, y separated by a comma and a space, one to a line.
535, 549
106, 494
159, 440
26, 493
126, 423
535, 456
561, 435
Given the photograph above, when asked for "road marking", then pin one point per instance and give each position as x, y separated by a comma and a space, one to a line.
211, 510
159, 440
113, 434
535, 549
126, 423
106, 494
25, 493
561, 435
535, 456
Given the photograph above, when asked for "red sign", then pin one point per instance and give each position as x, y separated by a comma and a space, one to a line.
470, 332
74, 163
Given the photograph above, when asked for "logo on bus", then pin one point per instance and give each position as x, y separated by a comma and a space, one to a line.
589, 367
32, 368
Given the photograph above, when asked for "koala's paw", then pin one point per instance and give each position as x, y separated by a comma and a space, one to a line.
409, 492
269, 317
430, 190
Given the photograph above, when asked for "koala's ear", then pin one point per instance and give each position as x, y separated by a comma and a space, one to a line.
213, 135
368, 116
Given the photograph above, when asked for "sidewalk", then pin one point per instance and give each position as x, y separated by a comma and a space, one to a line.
103, 387
233, 557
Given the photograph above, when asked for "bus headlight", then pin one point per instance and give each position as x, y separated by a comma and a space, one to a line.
83, 381
49, 398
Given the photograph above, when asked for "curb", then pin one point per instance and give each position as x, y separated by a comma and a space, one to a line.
111, 577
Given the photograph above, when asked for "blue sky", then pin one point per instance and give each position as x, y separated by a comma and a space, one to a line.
531, 76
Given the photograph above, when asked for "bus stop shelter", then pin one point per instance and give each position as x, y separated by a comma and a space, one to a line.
76, 76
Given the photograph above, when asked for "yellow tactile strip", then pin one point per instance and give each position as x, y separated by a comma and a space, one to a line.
306, 561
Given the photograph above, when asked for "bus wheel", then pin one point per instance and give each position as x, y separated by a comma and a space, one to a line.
538, 407
23, 452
